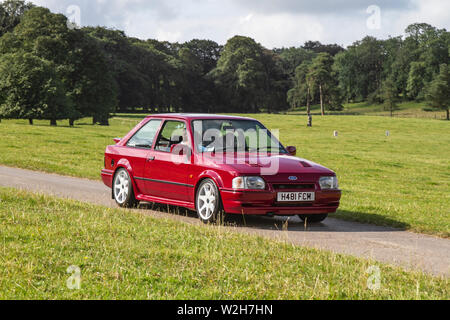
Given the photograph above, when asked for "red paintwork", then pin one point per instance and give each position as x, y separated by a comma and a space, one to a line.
205, 166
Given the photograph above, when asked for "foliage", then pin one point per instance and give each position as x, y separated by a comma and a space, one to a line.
11, 12
31, 89
389, 95
438, 92
104, 70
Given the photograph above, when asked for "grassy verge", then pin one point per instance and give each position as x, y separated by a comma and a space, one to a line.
409, 109
127, 255
400, 181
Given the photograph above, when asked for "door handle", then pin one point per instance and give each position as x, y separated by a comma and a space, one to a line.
152, 158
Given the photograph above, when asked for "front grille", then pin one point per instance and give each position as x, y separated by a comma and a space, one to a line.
294, 186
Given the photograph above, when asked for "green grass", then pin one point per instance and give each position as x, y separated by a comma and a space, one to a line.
77, 151
127, 255
409, 109
400, 181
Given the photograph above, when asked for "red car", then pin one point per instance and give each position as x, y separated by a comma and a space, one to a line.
216, 164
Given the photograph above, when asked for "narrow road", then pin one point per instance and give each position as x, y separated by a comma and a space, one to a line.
409, 250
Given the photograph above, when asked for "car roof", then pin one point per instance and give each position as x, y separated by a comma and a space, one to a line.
197, 116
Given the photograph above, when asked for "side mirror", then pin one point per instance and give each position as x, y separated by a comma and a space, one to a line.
117, 140
292, 150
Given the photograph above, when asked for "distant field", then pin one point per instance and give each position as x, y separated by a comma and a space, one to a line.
405, 110
400, 181
126, 255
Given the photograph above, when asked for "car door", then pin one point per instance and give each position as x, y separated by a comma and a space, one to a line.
168, 169
138, 149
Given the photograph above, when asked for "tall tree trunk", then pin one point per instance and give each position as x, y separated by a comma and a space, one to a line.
322, 107
71, 122
53, 122
308, 102
30, 121
104, 120
448, 114
94, 120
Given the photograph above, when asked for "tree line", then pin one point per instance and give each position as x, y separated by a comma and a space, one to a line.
53, 71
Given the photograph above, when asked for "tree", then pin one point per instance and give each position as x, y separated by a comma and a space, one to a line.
438, 92
11, 12
317, 47
430, 48
207, 51
416, 80
76, 57
320, 76
360, 68
240, 74
90, 83
31, 89
291, 58
300, 94
389, 94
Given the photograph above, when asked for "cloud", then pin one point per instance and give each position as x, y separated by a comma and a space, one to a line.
321, 7
270, 22
112, 13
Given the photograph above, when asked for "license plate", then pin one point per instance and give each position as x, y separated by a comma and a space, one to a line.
296, 196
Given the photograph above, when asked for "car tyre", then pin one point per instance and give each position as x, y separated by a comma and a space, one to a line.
313, 218
208, 202
123, 190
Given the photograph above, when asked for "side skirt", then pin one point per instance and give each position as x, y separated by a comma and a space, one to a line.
184, 204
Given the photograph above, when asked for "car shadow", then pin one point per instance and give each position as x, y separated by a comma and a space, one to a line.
294, 223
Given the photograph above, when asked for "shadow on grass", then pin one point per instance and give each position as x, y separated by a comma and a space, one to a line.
347, 221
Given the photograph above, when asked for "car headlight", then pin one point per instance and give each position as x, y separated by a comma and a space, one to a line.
249, 183
329, 183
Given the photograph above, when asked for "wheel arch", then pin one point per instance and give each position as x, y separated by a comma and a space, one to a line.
124, 164
212, 175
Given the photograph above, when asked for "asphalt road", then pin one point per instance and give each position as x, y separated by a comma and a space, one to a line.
409, 250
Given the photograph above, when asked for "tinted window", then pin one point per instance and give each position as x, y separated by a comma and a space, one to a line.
173, 133
144, 138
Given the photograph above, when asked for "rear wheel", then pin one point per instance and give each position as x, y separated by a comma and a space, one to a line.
313, 218
208, 203
123, 190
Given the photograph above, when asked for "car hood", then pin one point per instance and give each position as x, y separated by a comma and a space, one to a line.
267, 165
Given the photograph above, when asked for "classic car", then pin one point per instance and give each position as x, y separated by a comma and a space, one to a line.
216, 165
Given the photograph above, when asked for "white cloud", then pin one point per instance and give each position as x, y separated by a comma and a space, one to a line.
272, 23
278, 30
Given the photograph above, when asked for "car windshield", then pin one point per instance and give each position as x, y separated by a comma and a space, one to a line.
234, 135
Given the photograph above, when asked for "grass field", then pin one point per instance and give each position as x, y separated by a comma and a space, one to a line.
410, 109
400, 181
126, 255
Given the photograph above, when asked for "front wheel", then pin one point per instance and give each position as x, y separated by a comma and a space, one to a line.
208, 203
313, 218
123, 190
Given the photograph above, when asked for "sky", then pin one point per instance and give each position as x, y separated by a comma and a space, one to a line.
273, 23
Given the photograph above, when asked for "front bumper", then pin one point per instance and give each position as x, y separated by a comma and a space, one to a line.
265, 203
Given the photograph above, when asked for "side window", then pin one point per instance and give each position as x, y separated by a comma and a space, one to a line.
173, 133
144, 138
